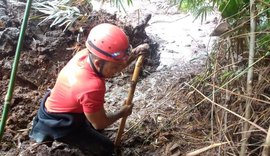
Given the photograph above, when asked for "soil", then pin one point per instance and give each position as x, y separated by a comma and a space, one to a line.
157, 125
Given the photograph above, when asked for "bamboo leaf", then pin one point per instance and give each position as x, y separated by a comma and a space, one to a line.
64, 22
229, 8
61, 12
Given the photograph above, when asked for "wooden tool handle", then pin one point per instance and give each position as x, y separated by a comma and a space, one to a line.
130, 97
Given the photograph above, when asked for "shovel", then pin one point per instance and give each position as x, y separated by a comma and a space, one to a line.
130, 97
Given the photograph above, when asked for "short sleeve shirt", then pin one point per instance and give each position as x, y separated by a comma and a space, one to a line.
77, 89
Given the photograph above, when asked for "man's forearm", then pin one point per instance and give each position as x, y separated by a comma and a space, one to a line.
113, 117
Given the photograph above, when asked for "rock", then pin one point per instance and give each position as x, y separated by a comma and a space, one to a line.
8, 40
7, 65
221, 29
12, 33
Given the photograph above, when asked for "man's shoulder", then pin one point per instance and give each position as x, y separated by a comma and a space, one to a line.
81, 52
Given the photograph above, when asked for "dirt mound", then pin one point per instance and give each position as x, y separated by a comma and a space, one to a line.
45, 51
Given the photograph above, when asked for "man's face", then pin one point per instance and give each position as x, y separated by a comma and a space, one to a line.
111, 68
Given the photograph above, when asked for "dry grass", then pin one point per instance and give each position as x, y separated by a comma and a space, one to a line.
199, 111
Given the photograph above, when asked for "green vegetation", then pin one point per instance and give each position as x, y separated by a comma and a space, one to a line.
63, 12
66, 12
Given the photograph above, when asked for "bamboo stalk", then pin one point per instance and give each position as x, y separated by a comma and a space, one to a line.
12, 80
249, 75
224, 120
213, 98
130, 97
266, 148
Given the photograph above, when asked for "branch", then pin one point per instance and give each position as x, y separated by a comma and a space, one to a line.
266, 149
263, 2
243, 96
226, 109
199, 151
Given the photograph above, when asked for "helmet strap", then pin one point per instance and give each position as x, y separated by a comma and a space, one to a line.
102, 63
99, 73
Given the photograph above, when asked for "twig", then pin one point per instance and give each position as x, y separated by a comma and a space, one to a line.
199, 151
266, 148
141, 120
266, 97
237, 76
257, 126
224, 113
239, 26
244, 96
213, 96
268, 5
172, 21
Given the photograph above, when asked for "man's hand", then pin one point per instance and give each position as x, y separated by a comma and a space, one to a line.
126, 110
141, 49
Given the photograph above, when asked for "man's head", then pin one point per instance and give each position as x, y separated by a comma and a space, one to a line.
108, 45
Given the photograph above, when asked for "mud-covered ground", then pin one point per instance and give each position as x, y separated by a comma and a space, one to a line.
157, 126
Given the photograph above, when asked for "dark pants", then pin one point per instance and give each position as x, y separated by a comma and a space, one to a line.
89, 141
70, 128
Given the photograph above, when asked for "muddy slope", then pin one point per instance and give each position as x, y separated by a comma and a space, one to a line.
45, 51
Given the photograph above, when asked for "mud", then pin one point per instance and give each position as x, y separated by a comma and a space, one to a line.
46, 50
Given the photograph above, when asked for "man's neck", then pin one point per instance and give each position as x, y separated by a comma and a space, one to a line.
92, 65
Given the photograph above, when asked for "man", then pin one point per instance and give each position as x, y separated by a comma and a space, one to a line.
73, 110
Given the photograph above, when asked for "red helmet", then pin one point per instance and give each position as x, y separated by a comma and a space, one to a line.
108, 42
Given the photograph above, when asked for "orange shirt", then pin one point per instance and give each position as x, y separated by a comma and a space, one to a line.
77, 89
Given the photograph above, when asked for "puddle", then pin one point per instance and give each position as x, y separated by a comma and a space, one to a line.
180, 38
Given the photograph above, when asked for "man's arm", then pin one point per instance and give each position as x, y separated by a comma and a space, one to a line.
101, 119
